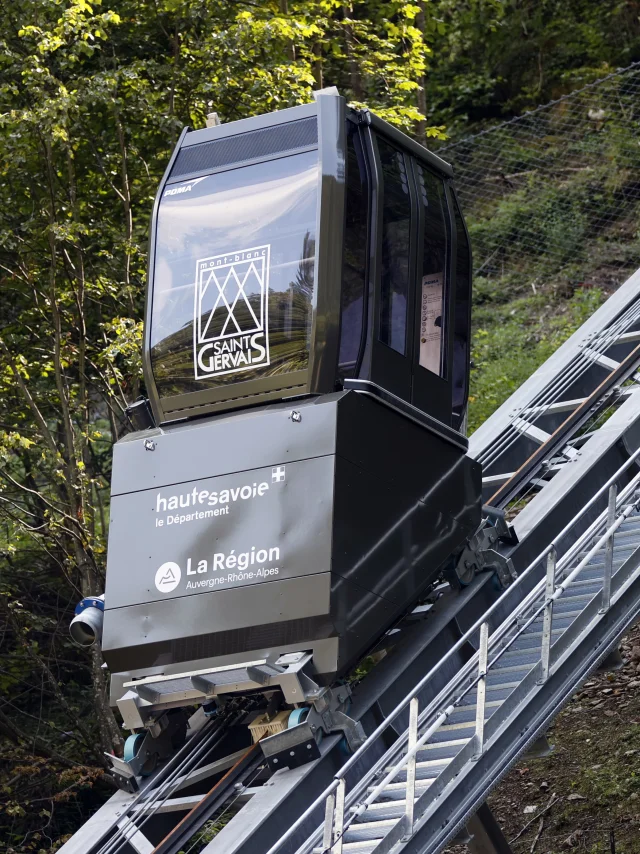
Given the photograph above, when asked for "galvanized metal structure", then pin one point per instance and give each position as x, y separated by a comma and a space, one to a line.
482, 672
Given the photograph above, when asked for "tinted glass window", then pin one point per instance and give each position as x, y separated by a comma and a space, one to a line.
396, 230
355, 254
462, 317
432, 281
234, 275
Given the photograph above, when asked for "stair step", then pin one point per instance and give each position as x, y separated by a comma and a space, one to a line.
585, 587
433, 758
448, 733
517, 658
506, 676
397, 791
366, 847
498, 694
533, 641
560, 623
595, 569
380, 810
362, 831
466, 714
509, 668
571, 605
564, 613
427, 769
442, 751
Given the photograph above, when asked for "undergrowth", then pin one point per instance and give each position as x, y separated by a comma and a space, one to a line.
512, 339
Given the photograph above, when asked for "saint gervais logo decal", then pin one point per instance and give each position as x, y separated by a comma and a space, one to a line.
168, 577
230, 331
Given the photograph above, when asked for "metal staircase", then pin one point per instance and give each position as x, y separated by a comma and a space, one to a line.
484, 671
422, 789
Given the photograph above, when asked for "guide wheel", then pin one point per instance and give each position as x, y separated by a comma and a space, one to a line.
299, 716
131, 749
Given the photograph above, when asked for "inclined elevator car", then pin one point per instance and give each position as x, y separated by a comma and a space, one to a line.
301, 476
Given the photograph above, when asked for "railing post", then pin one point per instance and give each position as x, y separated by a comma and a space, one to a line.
338, 827
411, 767
483, 658
327, 835
608, 557
547, 620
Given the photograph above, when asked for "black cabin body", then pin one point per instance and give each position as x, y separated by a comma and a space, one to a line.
306, 357
296, 250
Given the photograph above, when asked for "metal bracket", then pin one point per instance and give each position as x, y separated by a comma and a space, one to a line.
480, 554
149, 697
163, 737
293, 747
353, 731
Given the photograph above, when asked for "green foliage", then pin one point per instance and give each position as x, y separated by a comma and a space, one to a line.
512, 339
92, 99
496, 58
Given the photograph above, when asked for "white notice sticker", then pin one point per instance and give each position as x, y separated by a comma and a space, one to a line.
431, 322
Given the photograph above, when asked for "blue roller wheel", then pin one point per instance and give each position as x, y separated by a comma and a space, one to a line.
131, 748
132, 745
344, 744
299, 716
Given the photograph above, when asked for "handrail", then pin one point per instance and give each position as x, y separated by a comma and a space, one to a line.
341, 774
480, 661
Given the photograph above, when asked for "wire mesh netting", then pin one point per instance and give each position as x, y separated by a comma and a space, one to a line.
557, 189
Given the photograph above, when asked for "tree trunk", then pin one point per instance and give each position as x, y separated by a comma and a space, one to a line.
421, 127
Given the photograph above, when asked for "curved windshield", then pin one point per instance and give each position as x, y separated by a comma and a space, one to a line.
233, 283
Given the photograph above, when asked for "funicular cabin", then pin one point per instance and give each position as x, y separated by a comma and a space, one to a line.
342, 255
303, 475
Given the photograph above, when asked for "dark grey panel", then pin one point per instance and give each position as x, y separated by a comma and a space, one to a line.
375, 436
225, 443
392, 542
216, 623
382, 507
236, 530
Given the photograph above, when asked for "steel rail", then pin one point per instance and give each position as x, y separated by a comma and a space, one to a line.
357, 808
147, 795
212, 800
551, 393
141, 810
578, 366
354, 759
570, 425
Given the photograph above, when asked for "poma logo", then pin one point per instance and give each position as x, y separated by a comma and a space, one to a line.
230, 331
183, 188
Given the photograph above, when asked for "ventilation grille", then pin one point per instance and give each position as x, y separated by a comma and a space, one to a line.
245, 146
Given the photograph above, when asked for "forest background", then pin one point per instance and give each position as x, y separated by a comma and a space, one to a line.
92, 99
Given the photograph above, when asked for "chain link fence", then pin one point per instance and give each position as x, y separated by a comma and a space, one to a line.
555, 193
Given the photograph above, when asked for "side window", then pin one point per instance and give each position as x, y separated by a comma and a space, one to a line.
432, 273
355, 254
462, 317
396, 231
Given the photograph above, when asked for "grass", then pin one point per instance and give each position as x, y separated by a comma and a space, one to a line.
512, 339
